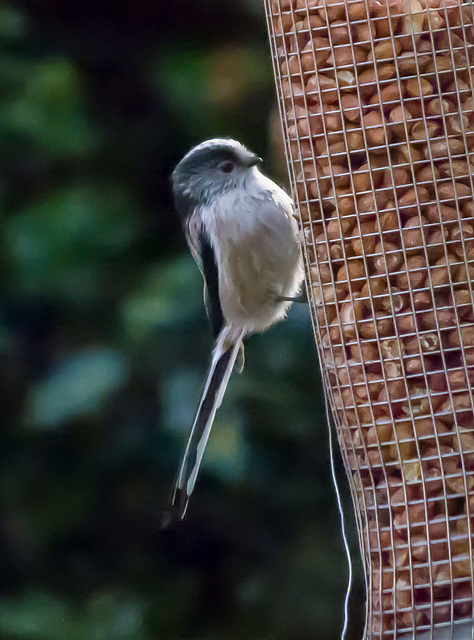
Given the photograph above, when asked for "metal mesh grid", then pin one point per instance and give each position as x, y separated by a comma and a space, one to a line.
376, 99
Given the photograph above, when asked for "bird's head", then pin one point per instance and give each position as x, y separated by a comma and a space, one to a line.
209, 170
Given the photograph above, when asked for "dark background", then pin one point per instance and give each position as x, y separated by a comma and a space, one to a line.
104, 344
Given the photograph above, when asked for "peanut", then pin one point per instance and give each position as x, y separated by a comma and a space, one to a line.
375, 131
418, 87
350, 107
380, 114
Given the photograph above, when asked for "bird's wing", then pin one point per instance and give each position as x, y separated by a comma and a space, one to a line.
203, 253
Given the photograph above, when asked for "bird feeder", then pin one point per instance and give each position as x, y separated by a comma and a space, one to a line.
377, 106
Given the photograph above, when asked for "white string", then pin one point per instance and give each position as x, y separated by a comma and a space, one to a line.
343, 524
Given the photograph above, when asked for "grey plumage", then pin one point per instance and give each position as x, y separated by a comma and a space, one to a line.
242, 235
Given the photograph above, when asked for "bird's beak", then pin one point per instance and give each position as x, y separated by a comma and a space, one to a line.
254, 160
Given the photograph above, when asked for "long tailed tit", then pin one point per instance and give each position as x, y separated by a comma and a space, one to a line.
242, 234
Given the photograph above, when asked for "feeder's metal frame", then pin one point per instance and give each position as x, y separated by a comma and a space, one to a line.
364, 495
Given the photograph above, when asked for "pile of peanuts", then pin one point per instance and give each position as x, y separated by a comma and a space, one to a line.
379, 116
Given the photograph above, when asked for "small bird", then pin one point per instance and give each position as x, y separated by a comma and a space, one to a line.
240, 229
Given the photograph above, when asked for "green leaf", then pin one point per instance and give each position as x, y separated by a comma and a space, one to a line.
49, 112
13, 24
169, 294
41, 616
57, 245
78, 386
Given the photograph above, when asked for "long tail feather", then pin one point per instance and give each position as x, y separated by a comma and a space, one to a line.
223, 361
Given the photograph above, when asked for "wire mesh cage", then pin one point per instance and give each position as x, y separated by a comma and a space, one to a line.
377, 104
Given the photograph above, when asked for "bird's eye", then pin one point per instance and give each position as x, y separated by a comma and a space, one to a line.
227, 166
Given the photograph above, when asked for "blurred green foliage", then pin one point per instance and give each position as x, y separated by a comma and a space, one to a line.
104, 344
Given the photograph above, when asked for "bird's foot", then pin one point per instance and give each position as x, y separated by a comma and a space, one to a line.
302, 298
240, 359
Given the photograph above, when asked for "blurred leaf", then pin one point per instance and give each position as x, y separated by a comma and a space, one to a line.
226, 453
50, 505
234, 71
78, 386
179, 398
40, 616
188, 89
49, 111
57, 244
13, 24
174, 603
169, 294
13, 71
34, 615
204, 85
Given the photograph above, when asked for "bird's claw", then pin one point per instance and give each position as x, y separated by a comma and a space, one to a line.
302, 298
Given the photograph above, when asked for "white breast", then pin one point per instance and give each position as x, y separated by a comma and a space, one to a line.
254, 237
